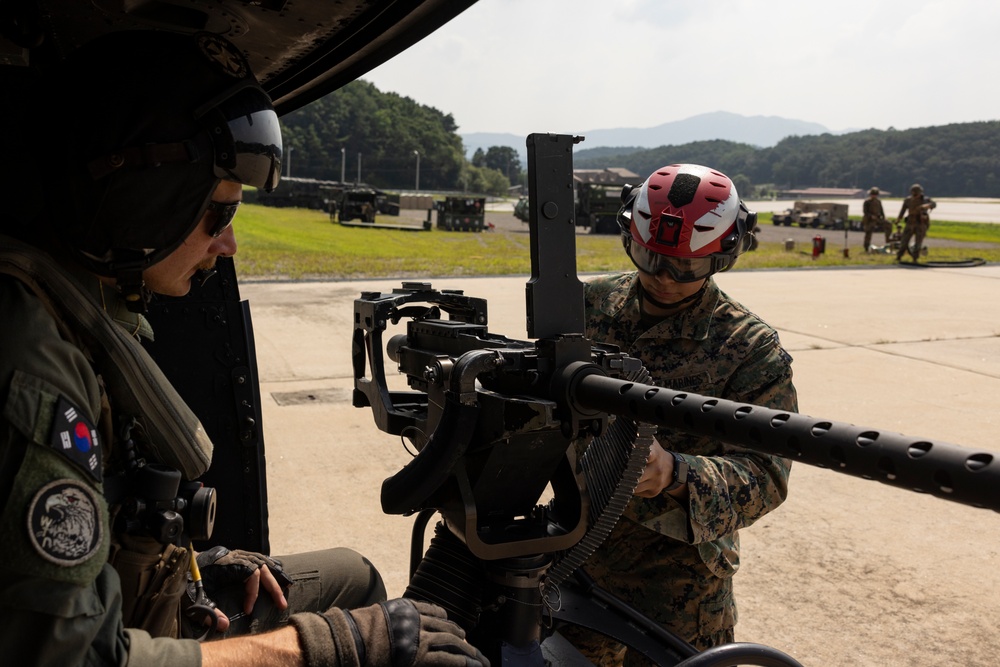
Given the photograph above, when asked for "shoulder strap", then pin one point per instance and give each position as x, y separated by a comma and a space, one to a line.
136, 384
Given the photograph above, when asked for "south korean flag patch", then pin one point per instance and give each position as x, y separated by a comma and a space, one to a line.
75, 437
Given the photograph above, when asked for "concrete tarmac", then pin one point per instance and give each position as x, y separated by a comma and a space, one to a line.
846, 572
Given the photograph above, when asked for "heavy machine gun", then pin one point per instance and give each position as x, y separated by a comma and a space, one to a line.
501, 424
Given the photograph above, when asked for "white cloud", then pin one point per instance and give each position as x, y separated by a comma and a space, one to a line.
567, 66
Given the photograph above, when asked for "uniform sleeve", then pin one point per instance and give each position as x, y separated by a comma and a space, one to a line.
728, 487
735, 488
86, 620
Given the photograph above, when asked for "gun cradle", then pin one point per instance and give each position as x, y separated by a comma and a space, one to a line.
492, 439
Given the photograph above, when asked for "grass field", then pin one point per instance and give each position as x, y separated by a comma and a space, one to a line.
303, 244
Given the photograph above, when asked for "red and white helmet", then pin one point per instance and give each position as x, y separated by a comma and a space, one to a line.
686, 219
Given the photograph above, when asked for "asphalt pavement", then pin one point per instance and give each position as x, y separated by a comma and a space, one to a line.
901, 349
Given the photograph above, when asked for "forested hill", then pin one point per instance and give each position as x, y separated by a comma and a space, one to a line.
958, 160
382, 131
389, 135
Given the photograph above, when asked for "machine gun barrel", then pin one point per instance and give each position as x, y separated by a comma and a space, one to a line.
941, 469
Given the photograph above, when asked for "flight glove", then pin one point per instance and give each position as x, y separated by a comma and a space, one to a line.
397, 633
221, 567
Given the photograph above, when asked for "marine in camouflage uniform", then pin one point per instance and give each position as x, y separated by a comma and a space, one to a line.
917, 209
673, 555
873, 218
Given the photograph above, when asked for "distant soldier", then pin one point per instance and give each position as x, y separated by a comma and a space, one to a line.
917, 208
367, 212
873, 218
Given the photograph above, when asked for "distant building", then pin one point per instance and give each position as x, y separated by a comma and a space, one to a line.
610, 176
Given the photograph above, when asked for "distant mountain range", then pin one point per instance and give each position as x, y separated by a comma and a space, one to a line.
762, 131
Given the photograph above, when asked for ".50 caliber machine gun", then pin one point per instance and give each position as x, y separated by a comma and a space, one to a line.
501, 423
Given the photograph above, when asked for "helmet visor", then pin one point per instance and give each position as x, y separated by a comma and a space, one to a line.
680, 269
252, 153
245, 136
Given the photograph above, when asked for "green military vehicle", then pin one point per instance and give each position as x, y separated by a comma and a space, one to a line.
299, 192
521, 209
598, 194
461, 214
360, 203
597, 207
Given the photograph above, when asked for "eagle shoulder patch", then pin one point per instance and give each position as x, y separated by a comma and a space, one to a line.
64, 522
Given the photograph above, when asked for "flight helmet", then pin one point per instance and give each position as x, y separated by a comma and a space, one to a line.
140, 127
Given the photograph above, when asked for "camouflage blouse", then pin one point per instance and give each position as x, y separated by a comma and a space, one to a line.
716, 348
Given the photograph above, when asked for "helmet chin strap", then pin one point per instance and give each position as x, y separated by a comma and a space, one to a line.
646, 296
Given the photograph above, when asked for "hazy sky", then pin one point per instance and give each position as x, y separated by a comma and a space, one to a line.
569, 66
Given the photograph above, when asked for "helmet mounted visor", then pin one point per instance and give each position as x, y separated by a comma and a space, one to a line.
246, 137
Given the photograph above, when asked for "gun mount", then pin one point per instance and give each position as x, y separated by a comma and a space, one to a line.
499, 421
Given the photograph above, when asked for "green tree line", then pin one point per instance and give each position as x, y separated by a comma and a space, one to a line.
362, 134
383, 133
957, 160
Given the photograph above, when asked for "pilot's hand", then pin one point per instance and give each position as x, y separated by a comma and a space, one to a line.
397, 633
221, 567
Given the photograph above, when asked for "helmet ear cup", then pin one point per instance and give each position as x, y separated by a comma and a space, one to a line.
624, 216
627, 191
740, 241
750, 233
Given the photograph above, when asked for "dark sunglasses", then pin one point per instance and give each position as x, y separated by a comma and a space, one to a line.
220, 215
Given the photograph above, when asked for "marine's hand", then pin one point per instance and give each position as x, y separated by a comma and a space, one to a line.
221, 567
658, 473
404, 633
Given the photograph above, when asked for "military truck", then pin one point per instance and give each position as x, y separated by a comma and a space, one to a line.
386, 203
361, 203
784, 218
299, 192
598, 197
815, 215
597, 207
461, 214
521, 209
